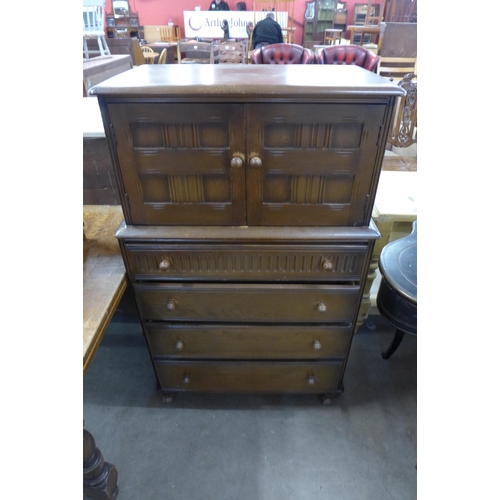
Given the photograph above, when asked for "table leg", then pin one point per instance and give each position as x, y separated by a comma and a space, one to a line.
99, 477
398, 337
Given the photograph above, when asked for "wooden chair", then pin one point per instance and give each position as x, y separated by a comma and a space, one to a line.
163, 57
170, 34
231, 52
402, 132
194, 52
93, 27
145, 52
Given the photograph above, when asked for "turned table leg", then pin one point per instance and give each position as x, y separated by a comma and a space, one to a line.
99, 477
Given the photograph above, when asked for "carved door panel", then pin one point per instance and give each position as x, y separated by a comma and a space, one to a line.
311, 164
176, 162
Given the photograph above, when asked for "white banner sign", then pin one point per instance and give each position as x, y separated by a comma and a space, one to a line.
208, 24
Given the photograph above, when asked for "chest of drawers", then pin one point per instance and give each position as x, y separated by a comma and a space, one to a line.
247, 193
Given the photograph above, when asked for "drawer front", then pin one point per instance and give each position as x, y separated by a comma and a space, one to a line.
216, 341
246, 262
248, 376
248, 303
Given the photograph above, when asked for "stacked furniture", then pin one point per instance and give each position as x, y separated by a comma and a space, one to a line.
162, 33
121, 46
397, 48
247, 203
122, 23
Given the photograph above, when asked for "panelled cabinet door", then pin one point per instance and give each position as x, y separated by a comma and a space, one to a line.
181, 163
311, 164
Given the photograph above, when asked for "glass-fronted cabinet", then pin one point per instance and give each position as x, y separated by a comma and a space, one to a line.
318, 16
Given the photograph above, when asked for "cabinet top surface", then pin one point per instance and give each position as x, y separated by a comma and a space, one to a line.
246, 80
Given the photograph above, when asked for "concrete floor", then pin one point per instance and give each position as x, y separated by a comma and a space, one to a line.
251, 447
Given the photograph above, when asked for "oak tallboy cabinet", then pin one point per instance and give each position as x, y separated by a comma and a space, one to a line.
247, 194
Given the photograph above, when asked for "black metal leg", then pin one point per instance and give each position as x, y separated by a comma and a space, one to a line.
398, 337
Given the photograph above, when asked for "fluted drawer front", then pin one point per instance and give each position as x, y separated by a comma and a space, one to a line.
248, 303
174, 340
246, 262
248, 376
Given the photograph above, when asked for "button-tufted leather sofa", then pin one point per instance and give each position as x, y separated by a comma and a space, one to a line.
282, 53
347, 54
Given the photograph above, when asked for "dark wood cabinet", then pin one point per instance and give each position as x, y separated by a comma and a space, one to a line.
121, 22
318, 16
247, 233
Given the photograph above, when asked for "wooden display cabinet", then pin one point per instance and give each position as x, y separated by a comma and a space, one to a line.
359, 19
340, 18
318, 16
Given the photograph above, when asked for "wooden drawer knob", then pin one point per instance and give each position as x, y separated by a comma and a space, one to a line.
317, 345
171, 305
328, 265
186, 379
256, 162
179, 345
311, 380
165, 265
321, 307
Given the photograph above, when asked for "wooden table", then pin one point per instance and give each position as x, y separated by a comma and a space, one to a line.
371, 30
331, 36
394, 211
397, 295
103, 286
171, 50
103, 274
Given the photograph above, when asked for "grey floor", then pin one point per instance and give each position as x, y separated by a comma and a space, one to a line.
251, 447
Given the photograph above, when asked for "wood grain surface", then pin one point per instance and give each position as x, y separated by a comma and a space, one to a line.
103, 274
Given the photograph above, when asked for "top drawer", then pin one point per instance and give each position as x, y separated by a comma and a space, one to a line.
246, 262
